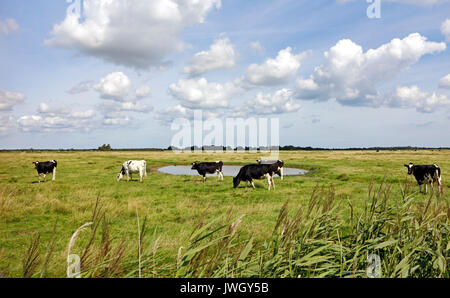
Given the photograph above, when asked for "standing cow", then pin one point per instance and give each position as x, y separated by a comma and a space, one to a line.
271, 162
209, 168
426, 174
257, 171
133, 167
46, 168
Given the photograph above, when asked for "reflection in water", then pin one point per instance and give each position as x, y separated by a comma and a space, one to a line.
229, 171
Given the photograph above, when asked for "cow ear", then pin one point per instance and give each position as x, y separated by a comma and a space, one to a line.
407, 166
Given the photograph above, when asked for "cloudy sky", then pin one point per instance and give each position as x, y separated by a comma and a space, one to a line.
120, 72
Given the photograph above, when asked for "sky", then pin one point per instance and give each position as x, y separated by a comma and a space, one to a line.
82, 73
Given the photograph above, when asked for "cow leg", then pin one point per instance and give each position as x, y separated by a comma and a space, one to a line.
39, 178
426, 188
420, 188
141, 174
253, 184
273, 182
54, 174
45, 177
281, 172
204, 177
268, 180
438, 180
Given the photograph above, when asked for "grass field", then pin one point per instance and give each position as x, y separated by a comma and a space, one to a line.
177, 206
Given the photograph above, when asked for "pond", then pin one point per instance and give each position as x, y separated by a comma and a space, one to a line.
229, 171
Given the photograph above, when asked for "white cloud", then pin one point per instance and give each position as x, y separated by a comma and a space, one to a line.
53, 109
143, 92
282, 101
114, 107
6, 124
137, 34
201, 94
114, 86
81, 87
221, 55
9, 99
53, 117
8, 26
256, 45
352, 76
445, 29
168, 115
274, 71
413, 97
117, 120
445, 82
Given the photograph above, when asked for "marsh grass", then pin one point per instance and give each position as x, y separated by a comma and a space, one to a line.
312, 226
411, 241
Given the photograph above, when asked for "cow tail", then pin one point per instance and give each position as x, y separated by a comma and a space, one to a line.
439, 174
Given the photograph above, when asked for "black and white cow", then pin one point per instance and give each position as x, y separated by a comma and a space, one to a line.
45, 168
426, 174
204, 168
270, 162
133, 167
257, 171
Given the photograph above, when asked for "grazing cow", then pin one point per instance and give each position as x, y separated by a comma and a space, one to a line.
426, 174
270, 162
46, 168
133, 167
257, 171
209, 168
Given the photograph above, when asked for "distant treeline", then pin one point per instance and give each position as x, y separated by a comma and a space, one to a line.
221, 148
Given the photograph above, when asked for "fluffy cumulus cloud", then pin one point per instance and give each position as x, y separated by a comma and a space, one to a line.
280, 102
9, 99
275, 71
202, 94
413, 97
114, 86
9, 25
445, 82
51, 117
137, 34
445, 29
352, 76
221, 55
115, 90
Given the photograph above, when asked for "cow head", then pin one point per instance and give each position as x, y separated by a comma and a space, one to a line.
120, 175
36, 163
236, 182
194, 166
410, 168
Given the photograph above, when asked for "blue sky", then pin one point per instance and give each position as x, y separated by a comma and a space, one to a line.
123, 71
